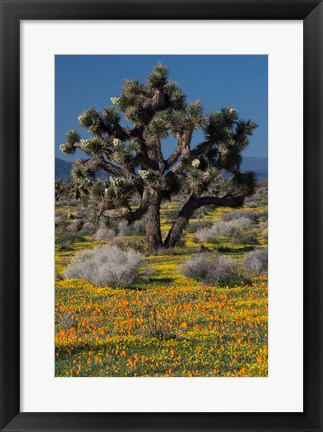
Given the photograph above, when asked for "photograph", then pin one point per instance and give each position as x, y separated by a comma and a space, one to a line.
161, 216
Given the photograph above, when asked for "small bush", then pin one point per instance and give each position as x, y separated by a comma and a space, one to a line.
256, 262
263, 214
135, 243
106, 266
138, 227
198, 225
265, 233
252, 204
211, 269
73, 227
245, 238
88, 228
104, 234
222, 229
238, 214
59, 220
65, 240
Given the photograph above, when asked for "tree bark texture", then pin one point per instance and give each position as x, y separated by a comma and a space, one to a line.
152, 225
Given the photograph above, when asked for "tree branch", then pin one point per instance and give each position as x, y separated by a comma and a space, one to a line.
182, 148
188, 209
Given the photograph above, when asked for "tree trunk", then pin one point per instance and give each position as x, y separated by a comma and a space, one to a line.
152, 221
187, 211
180, 223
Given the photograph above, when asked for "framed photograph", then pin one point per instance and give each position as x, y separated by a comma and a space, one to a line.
161, 176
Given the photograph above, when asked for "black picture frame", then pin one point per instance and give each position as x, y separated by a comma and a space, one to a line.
12, 12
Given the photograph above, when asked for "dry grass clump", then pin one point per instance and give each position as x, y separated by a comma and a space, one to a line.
246, 238
106, 266
104, 233
198, 225
223, 229
256, 262
238, 214
211, 269
125, 229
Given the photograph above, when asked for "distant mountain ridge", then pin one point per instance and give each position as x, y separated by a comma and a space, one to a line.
250, 163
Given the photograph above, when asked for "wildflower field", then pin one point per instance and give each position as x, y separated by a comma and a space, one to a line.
164, 324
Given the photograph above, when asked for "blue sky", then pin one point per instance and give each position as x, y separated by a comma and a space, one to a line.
239, 81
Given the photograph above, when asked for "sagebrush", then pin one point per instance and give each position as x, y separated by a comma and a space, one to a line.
106, 266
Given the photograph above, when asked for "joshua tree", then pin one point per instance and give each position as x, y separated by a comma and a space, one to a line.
131, 154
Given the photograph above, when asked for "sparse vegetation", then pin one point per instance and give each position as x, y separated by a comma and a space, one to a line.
256, 262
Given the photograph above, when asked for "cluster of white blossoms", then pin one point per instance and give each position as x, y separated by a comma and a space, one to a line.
196, 163
115, 181
63, 147
117, 142
115, 100
143, 174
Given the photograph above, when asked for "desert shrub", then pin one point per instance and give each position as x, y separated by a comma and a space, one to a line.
206, 235
69, 203
222, 229
265, 233
211, 269
252, 204
104, 233
84, 213
167, 251
263, 224
200, 212
239, 214
243, 238
74, 226
256, 262
59, 220
88, 228
65, 240
138, 227
263, 214
106, 266
120, 242
198, 225
135, 243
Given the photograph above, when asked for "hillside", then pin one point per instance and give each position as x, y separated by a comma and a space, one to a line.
250, 163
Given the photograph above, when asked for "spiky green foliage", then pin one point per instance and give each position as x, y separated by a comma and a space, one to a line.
195, 180
72, 137
244, 183
159, 124
159, 77
115, 193
68, 147
97, 190
92, 146
131, 113
79, 170
91, 120
195, 114
178, 121
111, 116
